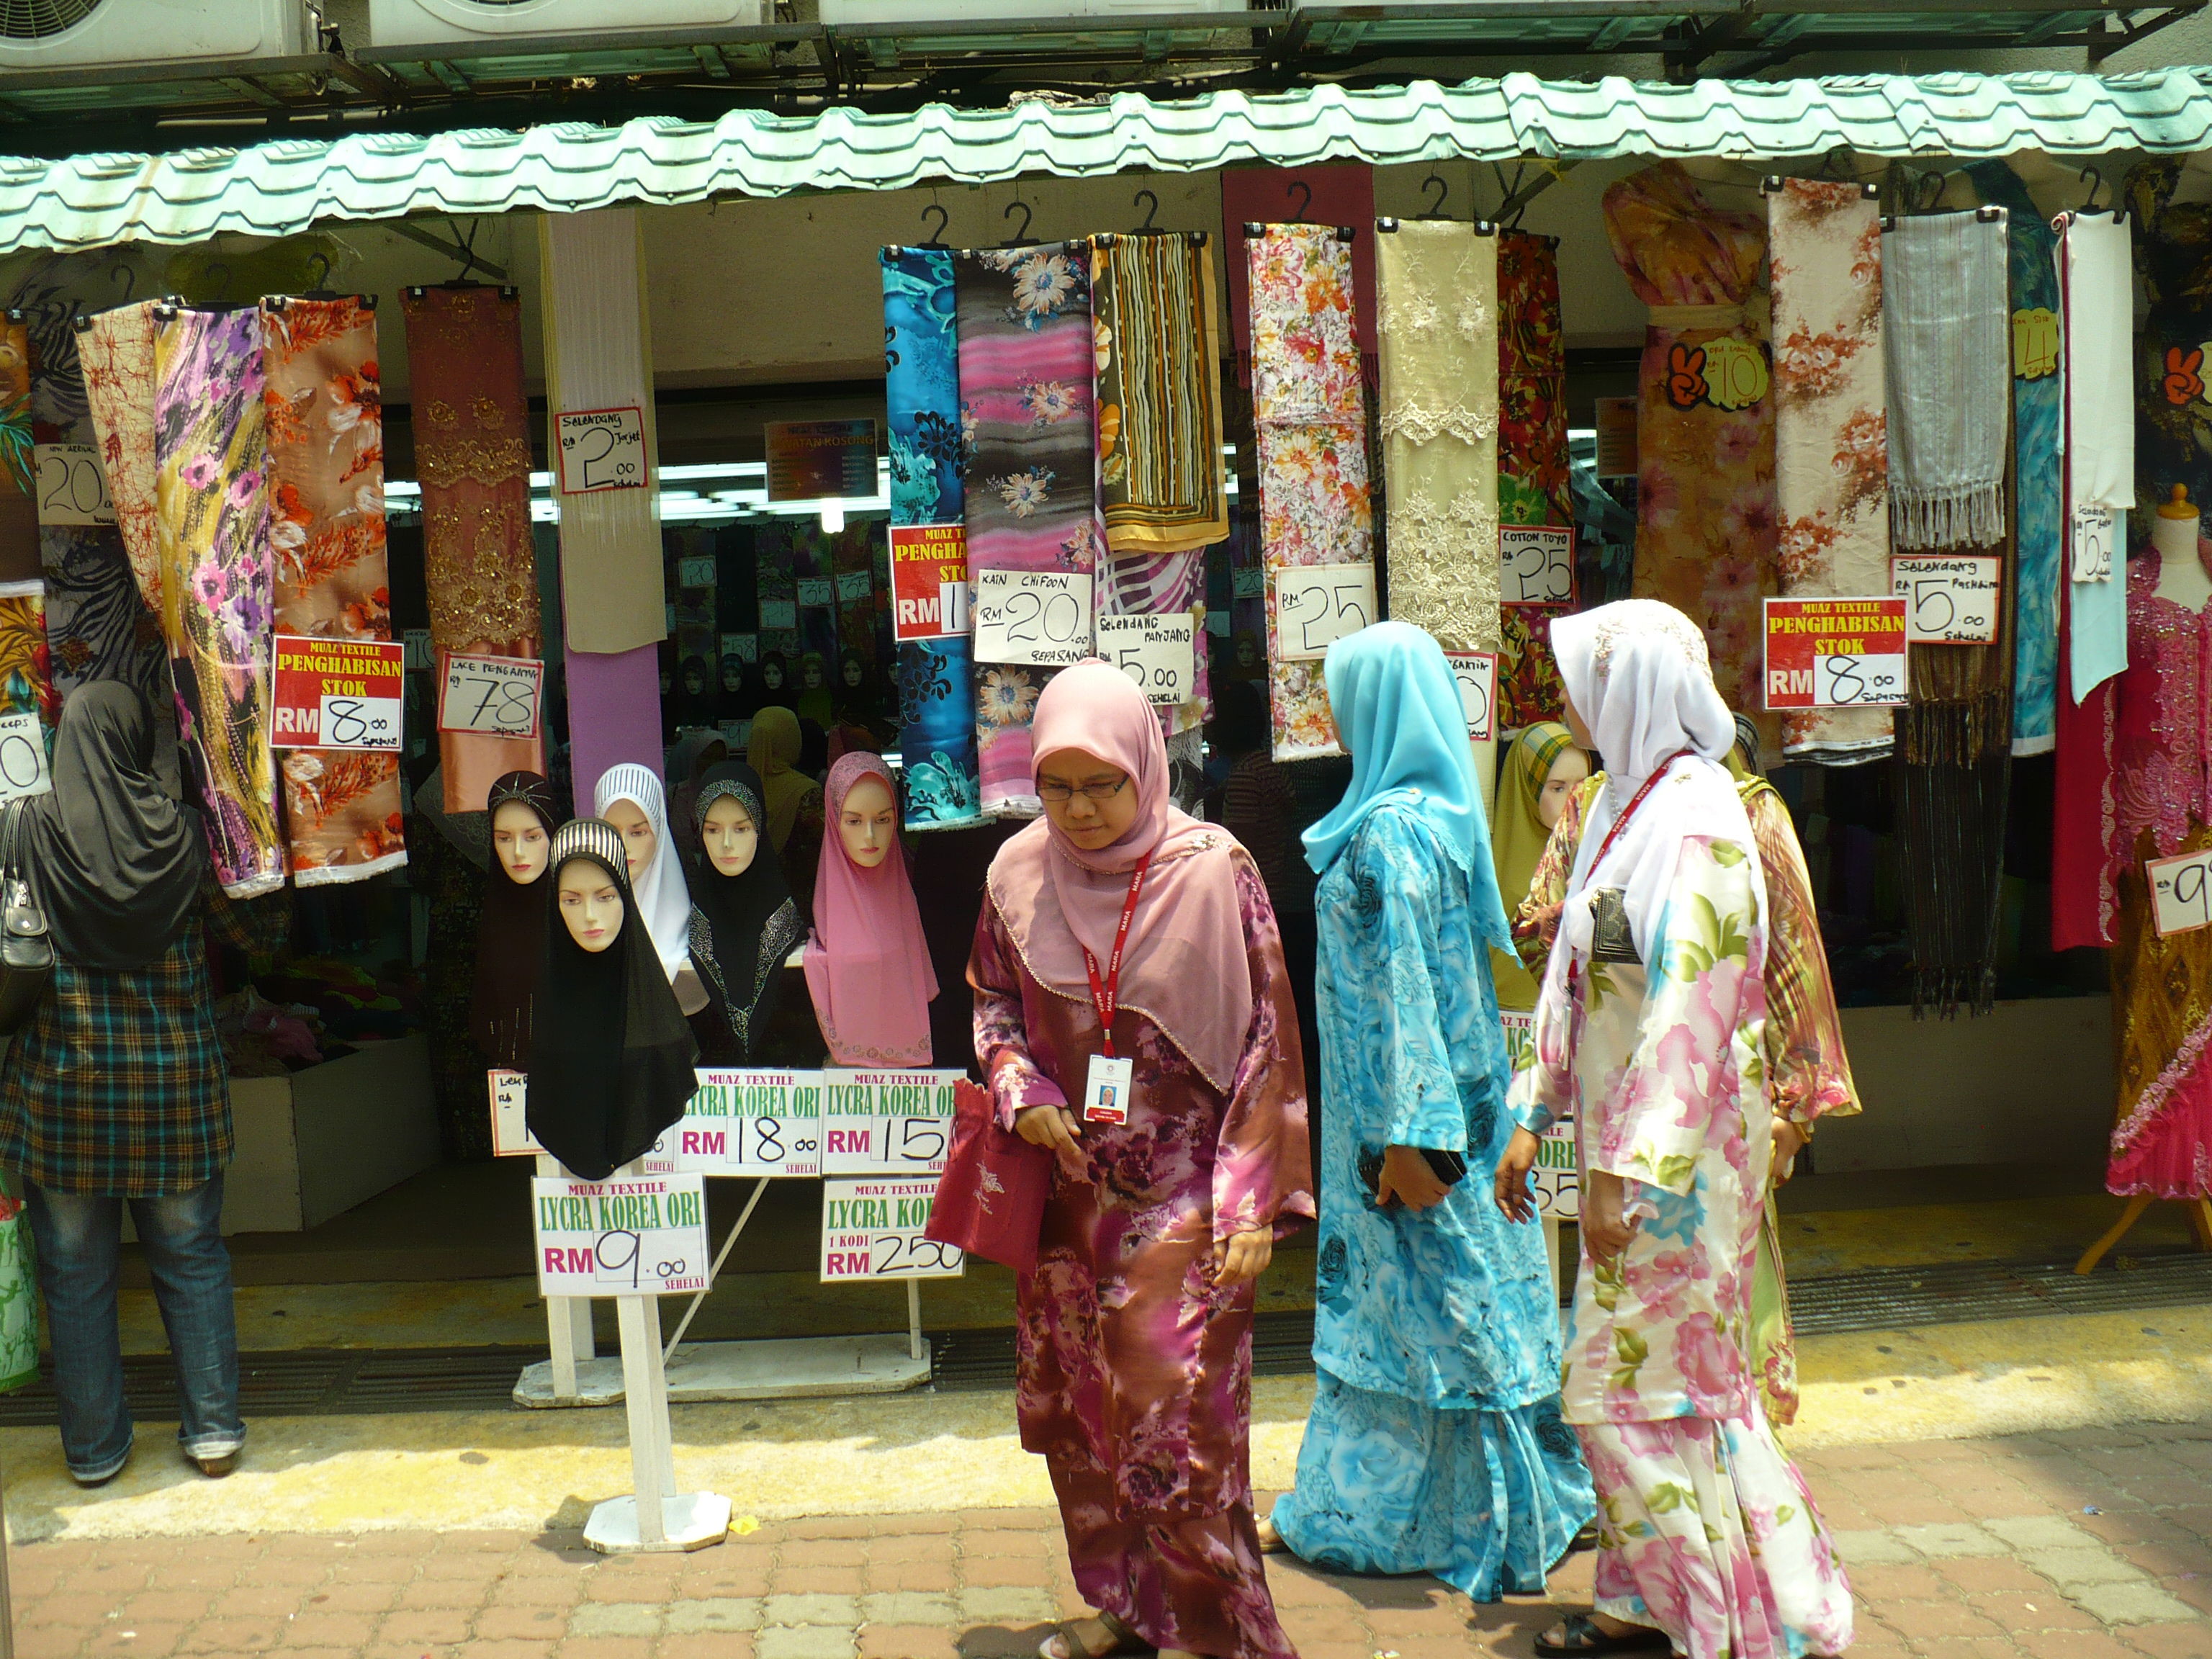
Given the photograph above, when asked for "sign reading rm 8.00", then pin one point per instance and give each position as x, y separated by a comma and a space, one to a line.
1835, 654
600, 449
495, 695
338, 694
1317, 605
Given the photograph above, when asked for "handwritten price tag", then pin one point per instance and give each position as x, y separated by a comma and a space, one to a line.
22, 756
874, 1229
627, 1236
1948, 601
853, 586
498, 695
815, 590
360, 723
2180, 892
1535, 564
2089, 547
72, 489
1159, 653
1248, 581
779, 614
1316, 606
510, 1124
1477, 674
887, 1122
1036, 616
697, 572
743, 1122
1835, 654
600, 449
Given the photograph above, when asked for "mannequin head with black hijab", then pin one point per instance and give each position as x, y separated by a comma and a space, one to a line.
113, 861
525, 811
610, 1055
744, 922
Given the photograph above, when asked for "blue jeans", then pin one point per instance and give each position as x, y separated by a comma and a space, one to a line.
79, 1238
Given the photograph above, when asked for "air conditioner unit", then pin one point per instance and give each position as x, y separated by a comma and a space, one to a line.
442, 22
873, 14
57, 34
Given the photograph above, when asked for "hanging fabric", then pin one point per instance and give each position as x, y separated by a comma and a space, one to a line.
1831, 455
2084, 905
1334, 193
1031, 498
1162, 483
344, 809
1943, 291
19, 466
211, 511
1533, 474
2038, 484
471, 425
921, 391
2097, 303
1705, 529
1309, 417
116, 350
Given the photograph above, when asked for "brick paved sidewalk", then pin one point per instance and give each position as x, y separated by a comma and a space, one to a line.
2083, 1545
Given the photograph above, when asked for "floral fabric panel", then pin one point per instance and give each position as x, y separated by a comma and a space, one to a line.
1532, 461
19, 465
1830, 441
1162, 483
1706, 525
116, 350
1309, 414
1663, 1067
921, 391
211, 510
472, 456
1027, 357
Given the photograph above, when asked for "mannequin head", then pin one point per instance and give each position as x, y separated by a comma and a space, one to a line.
810, 672
591, 903
733, 674
867, 822
730, 835
636, 828
1075, 786
519, 837
771, 672
1566, 777
852, 669
695, 675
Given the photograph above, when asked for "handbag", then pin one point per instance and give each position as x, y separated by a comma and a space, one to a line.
990, 1200
27, 954
19, 1298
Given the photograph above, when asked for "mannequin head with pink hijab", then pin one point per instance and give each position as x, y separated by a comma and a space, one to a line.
867, 961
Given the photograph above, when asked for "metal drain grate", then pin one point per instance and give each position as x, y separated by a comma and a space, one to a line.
314, 1382
1954, 1292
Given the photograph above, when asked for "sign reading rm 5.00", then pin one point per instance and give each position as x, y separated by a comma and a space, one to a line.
1316, 605
600, 449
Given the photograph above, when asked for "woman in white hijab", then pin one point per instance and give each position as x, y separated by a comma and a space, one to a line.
629, 797
1647, 1034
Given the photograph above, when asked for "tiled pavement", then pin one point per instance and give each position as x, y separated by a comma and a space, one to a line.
2081, 1545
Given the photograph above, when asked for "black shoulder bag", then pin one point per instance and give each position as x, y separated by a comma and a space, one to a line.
27, 954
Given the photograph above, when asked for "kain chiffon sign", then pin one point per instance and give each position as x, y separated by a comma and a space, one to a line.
627, 1235
886, 1123
744, 1123
874, 1229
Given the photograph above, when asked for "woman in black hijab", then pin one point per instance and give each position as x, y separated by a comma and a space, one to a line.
611, 1056
744, 923
511, 936
115, 1091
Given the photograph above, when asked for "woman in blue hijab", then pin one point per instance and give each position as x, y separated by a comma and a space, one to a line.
1436, 1444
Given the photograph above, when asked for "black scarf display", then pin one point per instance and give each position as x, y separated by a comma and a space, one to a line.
743, 927
111, 859
610, 1055
511, 936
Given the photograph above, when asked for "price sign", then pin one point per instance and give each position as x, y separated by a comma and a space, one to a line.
416, 644
853, 586
744, 1123
1160, 653
600, 449
626, 1236
815, 590
1316, 605
1535, 564
338, 694
2089, 547
1248, 581
510, 1124
72, 489
1948, 601
874, 1122
695, 572
873, 1229
1835, 654
929, 580
2180, 892
1036, 616
1556, 1180
744, 646
1477, 674
496, 695
779, 614
22, 756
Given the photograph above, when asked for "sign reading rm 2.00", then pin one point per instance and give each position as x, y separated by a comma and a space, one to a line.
600, 449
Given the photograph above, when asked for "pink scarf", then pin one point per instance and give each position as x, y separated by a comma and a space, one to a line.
867, 963
1184, 967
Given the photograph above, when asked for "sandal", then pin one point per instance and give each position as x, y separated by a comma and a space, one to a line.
1582, 1634
1064, 1643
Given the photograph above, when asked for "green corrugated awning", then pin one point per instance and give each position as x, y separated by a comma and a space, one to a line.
284, 186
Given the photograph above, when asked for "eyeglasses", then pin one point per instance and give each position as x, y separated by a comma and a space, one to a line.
1052, 790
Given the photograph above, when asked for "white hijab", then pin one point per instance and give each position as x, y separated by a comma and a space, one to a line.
663, 896
1638, 673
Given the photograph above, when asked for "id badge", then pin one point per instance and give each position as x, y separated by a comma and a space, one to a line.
1106, 1095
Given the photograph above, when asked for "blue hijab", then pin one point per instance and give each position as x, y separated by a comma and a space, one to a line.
1398, 709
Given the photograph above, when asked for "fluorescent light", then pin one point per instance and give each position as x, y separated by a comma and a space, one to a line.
833, 517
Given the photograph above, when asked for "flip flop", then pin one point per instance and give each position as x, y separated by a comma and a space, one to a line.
1064, 1643
1583, 1636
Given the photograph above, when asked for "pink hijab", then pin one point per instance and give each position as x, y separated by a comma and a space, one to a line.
1184, 967
867, 963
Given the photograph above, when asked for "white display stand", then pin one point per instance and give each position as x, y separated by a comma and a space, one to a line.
655, 1518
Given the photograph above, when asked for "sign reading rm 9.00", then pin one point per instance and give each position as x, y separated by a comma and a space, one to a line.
600, 449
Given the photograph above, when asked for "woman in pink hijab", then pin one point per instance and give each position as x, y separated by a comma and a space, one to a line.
867, 963
1173, 1177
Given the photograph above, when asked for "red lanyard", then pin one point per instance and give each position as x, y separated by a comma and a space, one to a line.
1106, 998
1634, 801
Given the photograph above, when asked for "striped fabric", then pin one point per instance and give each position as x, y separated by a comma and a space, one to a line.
1161, 480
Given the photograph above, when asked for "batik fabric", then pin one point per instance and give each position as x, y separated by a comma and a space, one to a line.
344, 809
921, 391
19, 465
472, 428
1830, 453
211, 498
1162, 483
117, 349
1031, 499
1533, 476
1134, 1369
1705, 515
1309, 417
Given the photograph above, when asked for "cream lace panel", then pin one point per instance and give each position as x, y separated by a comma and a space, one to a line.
1440, 578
